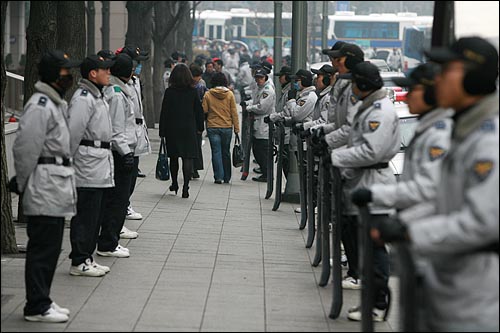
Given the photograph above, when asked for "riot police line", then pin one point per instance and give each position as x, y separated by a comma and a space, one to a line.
355, 136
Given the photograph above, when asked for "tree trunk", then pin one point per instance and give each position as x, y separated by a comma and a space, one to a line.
71, 34
90, 10
41, 35
105, 25
139, 31
8, 238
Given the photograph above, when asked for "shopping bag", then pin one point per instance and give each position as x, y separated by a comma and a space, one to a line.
238, 155
162, 169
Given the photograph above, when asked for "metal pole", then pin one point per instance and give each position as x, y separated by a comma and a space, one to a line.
299, 35
324, 30
278, 45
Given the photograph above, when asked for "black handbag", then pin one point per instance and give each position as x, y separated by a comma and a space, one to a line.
238, 155
162, 169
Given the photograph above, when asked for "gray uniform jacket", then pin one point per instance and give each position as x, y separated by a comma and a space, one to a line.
462, 282
422, 165
341, 87
143, 146
263, 105
89, 120
121, 109
374, 139
320, 112
301, 109
49, 189
281, 108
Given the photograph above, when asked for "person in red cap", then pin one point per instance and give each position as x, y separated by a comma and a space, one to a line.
46, 178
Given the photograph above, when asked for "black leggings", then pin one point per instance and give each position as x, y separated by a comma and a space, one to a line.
187, 169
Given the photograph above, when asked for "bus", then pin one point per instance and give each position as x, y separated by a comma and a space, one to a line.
374, 30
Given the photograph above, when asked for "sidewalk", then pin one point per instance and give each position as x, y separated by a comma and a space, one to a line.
220, 260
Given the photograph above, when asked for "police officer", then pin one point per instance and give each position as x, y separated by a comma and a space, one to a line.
423, 155
143, 146
458, 231
44, 175
90, 128
373, 141
123, 143
262, 106
324, 83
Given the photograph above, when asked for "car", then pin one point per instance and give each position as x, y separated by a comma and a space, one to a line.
407, 125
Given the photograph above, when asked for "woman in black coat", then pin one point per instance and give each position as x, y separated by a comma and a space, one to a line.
181, 120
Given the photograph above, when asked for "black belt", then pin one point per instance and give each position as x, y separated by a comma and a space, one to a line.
53, 160
376, 166
96, 144
138, 121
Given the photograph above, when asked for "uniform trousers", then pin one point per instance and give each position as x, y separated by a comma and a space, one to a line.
259, 147
45, 235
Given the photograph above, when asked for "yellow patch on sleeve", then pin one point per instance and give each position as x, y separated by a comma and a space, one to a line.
435, 152
482, 169
373, 125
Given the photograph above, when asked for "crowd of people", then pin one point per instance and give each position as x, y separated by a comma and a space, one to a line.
82, 160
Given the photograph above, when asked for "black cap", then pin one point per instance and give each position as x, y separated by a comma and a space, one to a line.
285, 70
260, 72
107, 54
256, 65
348, 50
122, 66
303, 75
366, 72
134, 52
267, 66
335, 47
57, 58
325, 69
423, 74
94, 62
474, 50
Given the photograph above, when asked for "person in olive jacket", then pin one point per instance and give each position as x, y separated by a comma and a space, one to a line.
181, 120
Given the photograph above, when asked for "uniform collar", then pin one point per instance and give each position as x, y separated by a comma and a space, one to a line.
90, 86
114, 81
470, 119
50, 91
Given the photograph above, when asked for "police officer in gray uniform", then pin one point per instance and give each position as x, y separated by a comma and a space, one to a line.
90, 127
262, 106
324, 83
459, 234
123, 143
423, 155
373, 141
42, 159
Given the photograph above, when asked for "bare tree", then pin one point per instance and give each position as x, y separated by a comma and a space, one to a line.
140, 22
105, 25
8, 238
90, 11
166, 19
71, 33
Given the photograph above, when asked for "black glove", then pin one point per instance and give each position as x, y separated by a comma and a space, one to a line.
320, 148
392, 230
12, 186
361, 196
317, 134
292, 94
243, 104
289, 122
299, 127
128, 161
305, 133
267, 120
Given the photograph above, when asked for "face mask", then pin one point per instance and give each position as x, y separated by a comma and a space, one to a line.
65, 81
138, 69
296, 86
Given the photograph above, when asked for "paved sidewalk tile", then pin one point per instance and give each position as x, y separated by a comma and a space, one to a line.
220, 260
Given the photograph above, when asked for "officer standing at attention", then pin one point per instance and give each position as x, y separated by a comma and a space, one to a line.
90, 127
263, 105
458, 231
123, 143
44, 174
373, 141
324, 84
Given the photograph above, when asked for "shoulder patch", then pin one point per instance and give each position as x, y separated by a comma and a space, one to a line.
373, 125
301, 102
488, 126
117, 88
264, 95
436, 152
42, 101
440, 124
353, 99
377, 105
482, 169
84, 92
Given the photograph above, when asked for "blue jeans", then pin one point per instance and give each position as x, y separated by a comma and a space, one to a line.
220, 143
